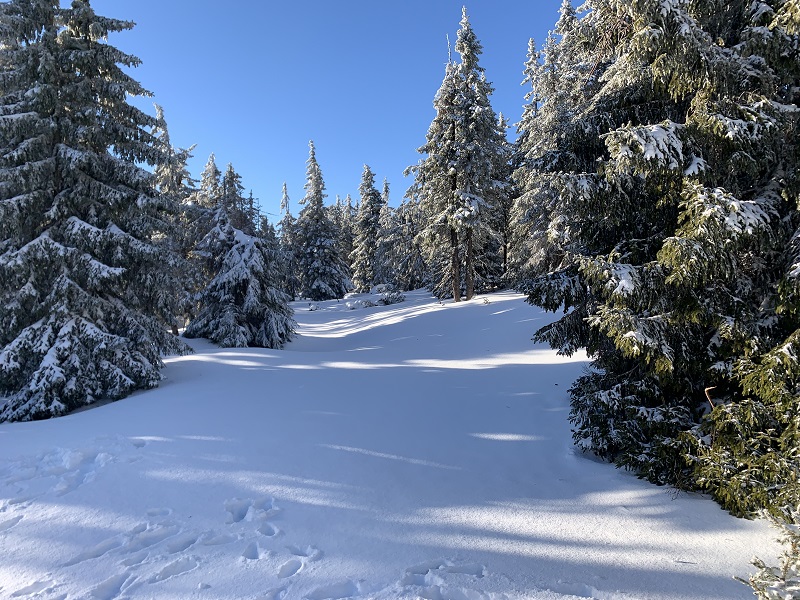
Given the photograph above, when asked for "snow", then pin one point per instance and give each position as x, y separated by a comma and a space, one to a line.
418, 450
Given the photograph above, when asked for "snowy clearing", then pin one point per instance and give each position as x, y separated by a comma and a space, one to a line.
418, 450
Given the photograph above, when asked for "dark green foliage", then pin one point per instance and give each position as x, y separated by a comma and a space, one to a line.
657, 169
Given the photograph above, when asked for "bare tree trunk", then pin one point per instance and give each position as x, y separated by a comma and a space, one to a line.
469, 276
455, 265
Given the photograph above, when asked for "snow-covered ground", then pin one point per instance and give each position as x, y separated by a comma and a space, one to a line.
419, 450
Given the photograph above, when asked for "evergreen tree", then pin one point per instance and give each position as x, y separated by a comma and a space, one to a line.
172, 176
210, 192
322, 272
343, 217
458, 180
672, 221
367, 232
288, 247
85, 285
173, 180
242, 305
389, 232
232, 199
410, 268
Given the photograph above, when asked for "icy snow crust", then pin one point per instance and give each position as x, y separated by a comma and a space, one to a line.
418, 450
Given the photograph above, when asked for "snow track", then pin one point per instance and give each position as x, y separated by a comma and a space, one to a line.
420, 450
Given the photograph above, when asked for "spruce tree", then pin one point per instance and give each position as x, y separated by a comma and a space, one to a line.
459, 180
242, 305
85, 292
322, 271
367, 232
173, 180
670, 218
288, 247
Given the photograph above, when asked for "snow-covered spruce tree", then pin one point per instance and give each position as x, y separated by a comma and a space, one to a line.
389, 233
85, 291
321, 269
676, 266
239, 209
174, 181
458, 180
210, 192
243, 304
553, 140
367, 233
343, 216
288, 247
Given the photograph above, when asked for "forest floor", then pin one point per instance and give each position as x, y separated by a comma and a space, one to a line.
418, 450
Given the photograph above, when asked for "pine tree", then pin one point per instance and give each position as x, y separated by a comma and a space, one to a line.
174, 181
389, 233
210, 192
672, 222
458, 181
322, 272
232, 199
242, 305
172, 176
86, 292
367, 232
288, 247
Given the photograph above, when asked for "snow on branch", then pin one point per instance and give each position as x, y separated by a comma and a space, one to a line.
638, 149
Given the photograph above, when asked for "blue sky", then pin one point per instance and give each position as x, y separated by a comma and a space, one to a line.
253, 82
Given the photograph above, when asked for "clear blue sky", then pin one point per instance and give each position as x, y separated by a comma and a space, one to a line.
254, 81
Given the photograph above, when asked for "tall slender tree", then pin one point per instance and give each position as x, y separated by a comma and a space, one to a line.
367, 232
459, 180
85, 285
322, 271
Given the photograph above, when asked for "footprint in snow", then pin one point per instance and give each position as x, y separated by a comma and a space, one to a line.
212, 538
289, 568
425, 573
245, 509
9, 523
112, 587
173, 569
96, 551
335, 591
268, 530
275, 594
312, 553
34, 588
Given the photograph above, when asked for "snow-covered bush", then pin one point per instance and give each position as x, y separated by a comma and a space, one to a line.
391, 297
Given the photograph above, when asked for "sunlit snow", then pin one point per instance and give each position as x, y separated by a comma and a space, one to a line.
419, 450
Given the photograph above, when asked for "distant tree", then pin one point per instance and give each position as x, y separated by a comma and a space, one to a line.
288, 247
386, 248
174, 181
322, 271
86, 292
242, 305
210, 192
172, 176
367, 232
458, 180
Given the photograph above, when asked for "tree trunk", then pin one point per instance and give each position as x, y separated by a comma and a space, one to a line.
455, 265
469, 275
